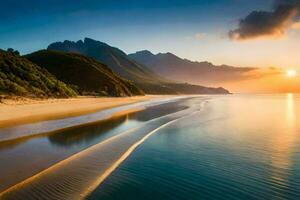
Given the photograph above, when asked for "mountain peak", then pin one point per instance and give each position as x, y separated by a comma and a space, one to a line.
167, 55
90, 41
144, 53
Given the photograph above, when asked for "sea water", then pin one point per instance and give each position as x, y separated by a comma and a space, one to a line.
237, 147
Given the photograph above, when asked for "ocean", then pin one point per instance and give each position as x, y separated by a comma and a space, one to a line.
202, 147
236, 147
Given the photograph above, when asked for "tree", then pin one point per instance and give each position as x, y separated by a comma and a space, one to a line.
11, 50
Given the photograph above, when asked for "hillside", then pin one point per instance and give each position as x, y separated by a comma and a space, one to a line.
126, 67
113, 57
19, 76
87, 74
173, 67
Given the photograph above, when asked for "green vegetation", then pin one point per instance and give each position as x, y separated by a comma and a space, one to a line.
11, 50
88, 75
19, 76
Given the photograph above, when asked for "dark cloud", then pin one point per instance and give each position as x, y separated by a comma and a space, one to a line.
267, 24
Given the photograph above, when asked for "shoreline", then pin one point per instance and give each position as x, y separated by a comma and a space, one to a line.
85, 160
24, 111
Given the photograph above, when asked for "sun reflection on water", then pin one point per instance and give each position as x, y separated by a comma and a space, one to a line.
282, 146
290, 111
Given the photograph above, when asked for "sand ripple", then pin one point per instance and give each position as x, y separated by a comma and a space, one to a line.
78, 175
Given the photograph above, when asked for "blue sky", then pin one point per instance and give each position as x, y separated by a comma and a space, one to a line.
194, 29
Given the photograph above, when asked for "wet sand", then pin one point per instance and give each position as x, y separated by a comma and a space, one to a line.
22, 111
78, 175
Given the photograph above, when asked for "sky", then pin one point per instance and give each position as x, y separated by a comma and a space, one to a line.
256, 33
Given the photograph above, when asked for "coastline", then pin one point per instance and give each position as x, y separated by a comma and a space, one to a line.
111, 152
113, 117
18, 112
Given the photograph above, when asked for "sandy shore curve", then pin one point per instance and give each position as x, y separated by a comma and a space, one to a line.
23, 111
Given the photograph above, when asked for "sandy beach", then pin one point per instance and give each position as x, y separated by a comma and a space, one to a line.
22, 111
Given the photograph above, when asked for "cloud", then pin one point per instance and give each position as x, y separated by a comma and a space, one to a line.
270, 24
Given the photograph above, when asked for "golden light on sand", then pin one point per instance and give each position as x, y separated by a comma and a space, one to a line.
291, 73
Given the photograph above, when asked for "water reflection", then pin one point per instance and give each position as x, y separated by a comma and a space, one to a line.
88, 132
157, 111
282, 147
290, 110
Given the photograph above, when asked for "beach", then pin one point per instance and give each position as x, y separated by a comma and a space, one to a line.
48, 145
21, 111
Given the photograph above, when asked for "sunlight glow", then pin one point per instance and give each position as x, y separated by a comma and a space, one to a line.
291, 73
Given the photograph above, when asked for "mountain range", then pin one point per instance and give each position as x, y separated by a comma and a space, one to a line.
89, 67
176, 68
144, 77
116, 59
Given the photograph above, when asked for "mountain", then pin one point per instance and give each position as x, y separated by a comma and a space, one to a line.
19, 76
171, 66
126, 67
113, 57
87, 74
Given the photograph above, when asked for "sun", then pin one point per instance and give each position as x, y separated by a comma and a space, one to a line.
291, 73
